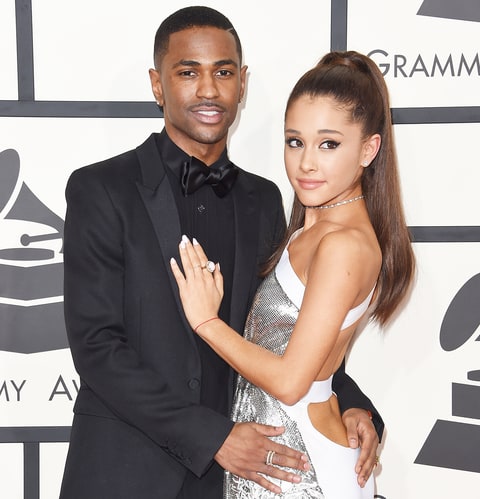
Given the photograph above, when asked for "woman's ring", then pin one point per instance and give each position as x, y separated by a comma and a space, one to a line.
210, 266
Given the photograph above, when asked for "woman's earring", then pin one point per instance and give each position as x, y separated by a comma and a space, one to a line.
365, 164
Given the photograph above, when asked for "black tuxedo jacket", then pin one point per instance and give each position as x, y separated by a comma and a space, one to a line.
138, 426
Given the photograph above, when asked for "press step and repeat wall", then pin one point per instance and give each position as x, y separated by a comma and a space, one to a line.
74, 89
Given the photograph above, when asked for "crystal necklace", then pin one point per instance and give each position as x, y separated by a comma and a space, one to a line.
334, 205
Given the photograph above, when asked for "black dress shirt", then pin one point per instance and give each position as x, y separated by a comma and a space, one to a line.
209, 219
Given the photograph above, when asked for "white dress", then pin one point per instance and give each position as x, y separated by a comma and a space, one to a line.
270, 324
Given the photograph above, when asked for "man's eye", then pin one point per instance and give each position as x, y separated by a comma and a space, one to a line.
224, 72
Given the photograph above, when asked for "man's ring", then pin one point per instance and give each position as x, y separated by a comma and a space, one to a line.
210, 266
269, 460
377, 461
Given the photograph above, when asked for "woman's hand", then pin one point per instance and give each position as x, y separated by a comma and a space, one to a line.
201, 291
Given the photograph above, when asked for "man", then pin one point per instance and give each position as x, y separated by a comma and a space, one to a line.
151, 417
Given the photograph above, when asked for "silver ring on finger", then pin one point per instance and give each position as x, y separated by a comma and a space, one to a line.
269, 460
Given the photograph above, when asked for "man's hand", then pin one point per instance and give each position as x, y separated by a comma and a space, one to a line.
361, 432
245, 450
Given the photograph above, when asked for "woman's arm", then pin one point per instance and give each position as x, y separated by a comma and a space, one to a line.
334, 286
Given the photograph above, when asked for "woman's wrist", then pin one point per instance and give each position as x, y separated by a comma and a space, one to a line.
204, 322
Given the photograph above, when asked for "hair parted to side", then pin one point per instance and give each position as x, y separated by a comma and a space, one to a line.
355, 82
190, 17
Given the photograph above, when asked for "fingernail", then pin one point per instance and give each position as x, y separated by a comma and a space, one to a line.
173, 261
195, 241
183, 244
185, 238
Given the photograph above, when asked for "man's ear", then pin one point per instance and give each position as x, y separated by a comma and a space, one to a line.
156, 83
243, 82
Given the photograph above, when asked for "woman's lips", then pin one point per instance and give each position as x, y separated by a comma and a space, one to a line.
309, 184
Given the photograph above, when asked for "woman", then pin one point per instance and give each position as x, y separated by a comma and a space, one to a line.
347, 250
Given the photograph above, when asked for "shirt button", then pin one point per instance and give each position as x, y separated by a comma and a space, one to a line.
193, 384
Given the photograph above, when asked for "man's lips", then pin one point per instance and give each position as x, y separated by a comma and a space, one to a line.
211, 115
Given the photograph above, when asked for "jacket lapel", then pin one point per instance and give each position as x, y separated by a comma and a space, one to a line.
156, 193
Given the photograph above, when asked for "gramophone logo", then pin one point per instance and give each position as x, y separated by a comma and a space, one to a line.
464, 10
31, 266
455, 444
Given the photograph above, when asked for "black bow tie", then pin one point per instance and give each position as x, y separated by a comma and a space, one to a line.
195, 174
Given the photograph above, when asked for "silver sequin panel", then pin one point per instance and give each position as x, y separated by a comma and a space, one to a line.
269, 324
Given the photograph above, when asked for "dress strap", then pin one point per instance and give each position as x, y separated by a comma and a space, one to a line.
355, 313
289, 281
320, 391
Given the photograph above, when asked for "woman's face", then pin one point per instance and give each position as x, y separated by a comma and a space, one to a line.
325, 152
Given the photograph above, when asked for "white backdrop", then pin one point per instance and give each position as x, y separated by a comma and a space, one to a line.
86, 53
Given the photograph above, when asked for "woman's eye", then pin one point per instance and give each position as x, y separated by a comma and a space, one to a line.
293, 142
329, 144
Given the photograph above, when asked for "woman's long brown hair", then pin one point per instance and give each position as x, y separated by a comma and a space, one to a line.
356, 83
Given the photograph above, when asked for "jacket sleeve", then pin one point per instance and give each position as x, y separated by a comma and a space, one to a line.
95, 321
280, 222
350, 396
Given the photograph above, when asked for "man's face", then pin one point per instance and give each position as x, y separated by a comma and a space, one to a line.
199, 84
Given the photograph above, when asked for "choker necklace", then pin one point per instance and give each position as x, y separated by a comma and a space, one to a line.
325, 206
